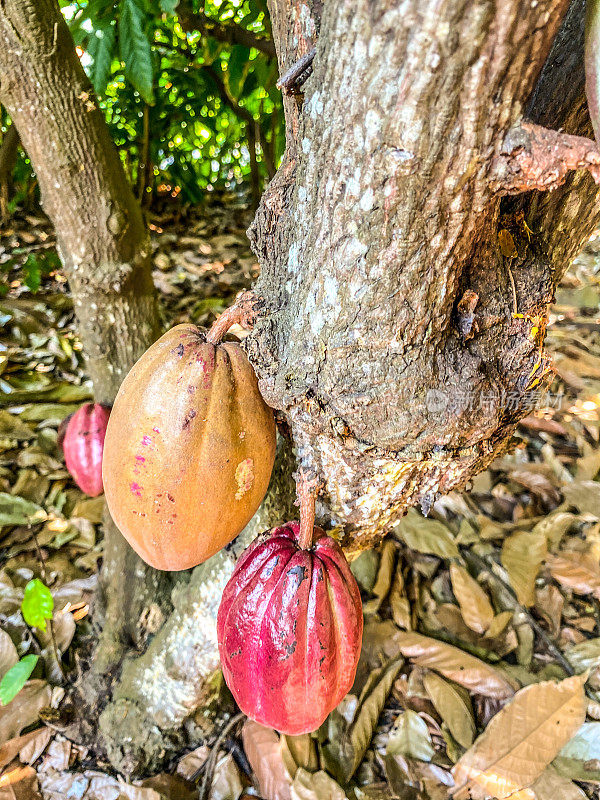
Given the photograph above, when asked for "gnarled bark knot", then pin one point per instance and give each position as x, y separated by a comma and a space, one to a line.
534, 157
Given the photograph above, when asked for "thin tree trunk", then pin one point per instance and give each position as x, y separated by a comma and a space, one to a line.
144, 154
102, 242
376, 235
9, 150
254, 173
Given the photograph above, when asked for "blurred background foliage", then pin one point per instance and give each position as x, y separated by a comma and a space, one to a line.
188, 91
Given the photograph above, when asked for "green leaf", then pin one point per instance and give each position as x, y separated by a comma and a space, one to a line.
37, 605
426, 536
409, 737
18, 511
135, 49
168, 6
237, 68
101, 47
16, 677
32, 273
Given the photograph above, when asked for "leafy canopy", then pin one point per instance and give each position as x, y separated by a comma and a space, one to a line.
187, 88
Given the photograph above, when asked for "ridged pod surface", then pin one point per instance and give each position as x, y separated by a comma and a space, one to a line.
82, 445
189, 449
289, 629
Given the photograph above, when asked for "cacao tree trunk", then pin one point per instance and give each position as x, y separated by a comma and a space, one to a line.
406, 297
103, 244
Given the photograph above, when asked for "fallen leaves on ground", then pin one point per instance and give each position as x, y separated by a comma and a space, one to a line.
522, 739
440, 590
263, 748
455, 664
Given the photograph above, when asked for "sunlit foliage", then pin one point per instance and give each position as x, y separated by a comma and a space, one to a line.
190, 101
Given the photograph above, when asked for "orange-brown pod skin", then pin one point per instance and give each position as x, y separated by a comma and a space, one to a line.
189, 449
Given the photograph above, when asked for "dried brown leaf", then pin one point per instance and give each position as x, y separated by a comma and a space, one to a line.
462, 668
499, 624
588, 466
299, 751
315, 786
585, 496
585, 655
549, 603
343, 744
189, 765
263, 749
33, 748
523, 554
226, 783
384, 578
19, 783
8, 653
20, 745
454, 707
522, 739
554, 527
576, 571
399, 602
475, 607
552, 786
24, 709
426, 535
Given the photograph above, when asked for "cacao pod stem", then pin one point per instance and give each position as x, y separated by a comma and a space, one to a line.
242, 312
307, 487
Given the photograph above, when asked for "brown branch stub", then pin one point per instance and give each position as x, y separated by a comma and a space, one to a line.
297, 74
534, 157
307, 488
243, 312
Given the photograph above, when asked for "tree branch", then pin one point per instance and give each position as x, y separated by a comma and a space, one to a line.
191, 21
534, 157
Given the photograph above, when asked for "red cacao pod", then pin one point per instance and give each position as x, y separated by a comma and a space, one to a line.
289, 629
189, 449
83, 443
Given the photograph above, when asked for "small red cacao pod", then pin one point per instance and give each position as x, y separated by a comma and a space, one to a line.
83, 444
189, 449
289, 630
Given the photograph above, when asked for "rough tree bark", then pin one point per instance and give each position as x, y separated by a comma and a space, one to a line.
405, 246
103, 244
417, 332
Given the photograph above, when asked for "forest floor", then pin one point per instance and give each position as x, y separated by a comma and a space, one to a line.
497, 590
